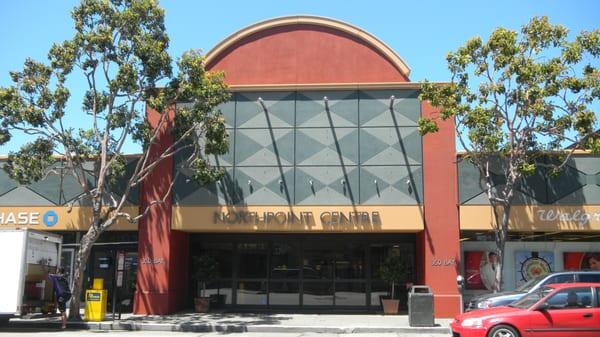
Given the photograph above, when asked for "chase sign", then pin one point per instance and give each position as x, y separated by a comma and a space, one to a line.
48, 218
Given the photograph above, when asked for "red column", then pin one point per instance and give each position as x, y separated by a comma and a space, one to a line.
439, 245
162, 278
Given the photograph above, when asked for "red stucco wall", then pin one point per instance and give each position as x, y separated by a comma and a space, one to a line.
303, 54
306, 54
438, 245
161, 284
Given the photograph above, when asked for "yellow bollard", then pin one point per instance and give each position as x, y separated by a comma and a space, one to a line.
95, 301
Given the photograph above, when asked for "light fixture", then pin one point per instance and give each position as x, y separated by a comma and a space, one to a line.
392, 98
310, 182
343, 182
262, 103
326, 102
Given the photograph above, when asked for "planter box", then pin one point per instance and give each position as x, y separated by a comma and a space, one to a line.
201, 304
390, 307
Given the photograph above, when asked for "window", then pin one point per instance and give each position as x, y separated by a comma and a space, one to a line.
589, 277
253, 260
531, 298
571, 298
565, 278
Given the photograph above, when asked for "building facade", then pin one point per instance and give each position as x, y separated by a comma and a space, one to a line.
326, 177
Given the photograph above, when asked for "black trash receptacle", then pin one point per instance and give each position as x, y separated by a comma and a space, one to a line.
420, 306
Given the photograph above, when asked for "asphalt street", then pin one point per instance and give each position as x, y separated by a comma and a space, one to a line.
89, 333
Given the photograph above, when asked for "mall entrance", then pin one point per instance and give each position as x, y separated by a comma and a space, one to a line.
301, 272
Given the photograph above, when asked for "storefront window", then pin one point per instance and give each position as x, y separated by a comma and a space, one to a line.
350, 294
223, 254
221, 289
252, 293
311, 271
381, 252
378, 289
253, 260
350, 264
284, 293
318, 293
318, 264
285, 261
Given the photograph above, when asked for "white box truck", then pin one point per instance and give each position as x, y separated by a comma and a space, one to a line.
27, 256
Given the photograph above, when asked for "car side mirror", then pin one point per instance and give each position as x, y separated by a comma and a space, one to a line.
543, 306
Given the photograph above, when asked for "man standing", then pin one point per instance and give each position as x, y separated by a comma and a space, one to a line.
61, 292
487, 270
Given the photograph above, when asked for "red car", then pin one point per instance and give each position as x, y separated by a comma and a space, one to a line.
556, 310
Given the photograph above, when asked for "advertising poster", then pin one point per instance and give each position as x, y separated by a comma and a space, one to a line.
480, 270
532, 264
582, 260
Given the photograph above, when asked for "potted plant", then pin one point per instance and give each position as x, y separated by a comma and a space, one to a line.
205, 270
393, 271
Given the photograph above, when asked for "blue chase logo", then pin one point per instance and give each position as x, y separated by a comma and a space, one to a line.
50, 218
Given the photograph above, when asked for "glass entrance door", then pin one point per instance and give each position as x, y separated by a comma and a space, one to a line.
119, 278
252, 273
285, 274
350, 282
66, 261
126, 290
103, 267
317, 278
324, 272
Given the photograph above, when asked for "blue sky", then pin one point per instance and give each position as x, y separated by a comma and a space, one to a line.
421, 32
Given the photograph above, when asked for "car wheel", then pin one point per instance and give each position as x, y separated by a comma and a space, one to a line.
503, 331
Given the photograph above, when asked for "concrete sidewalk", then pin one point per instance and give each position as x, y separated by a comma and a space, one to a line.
240, 322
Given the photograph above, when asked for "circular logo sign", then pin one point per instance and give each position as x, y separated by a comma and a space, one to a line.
50, 218
533, 267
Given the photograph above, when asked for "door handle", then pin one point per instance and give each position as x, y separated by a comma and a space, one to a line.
588, 315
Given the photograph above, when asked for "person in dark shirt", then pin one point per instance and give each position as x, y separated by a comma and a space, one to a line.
61, 292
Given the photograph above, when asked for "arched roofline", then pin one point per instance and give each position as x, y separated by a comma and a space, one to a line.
354, 31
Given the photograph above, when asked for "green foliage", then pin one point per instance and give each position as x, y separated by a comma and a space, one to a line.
116, 171
393, 270
120, 48
205, 268
203, 173
517, 97
30, 163
520, 92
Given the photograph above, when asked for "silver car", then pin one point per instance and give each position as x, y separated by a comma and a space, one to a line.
507, 297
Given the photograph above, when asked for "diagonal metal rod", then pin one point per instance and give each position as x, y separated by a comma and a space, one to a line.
339, 150
276, 150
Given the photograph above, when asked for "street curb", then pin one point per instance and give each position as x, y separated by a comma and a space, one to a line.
230, 328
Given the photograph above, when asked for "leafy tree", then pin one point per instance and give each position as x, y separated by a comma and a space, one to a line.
393, 270
515, 98
206, 269
119, 48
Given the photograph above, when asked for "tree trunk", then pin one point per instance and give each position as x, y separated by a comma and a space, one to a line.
82, 256
501, 235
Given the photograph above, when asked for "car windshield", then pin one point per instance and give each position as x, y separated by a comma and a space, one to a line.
530, 299
525, 287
